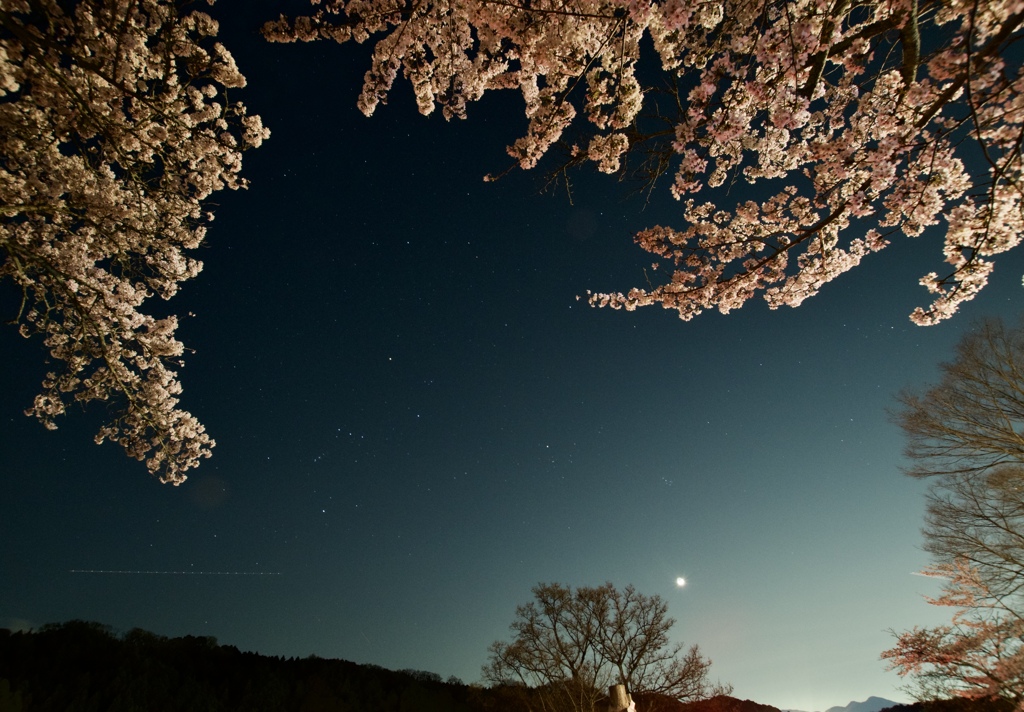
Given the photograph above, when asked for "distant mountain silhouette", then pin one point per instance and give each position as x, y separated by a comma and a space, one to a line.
871, 704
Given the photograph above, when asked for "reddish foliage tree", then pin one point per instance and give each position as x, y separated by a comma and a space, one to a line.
964, 435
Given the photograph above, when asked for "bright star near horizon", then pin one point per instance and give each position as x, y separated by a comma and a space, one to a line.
680, 582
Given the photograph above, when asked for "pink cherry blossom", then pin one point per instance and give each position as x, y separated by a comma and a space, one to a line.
851, 118
115, 131
978, 655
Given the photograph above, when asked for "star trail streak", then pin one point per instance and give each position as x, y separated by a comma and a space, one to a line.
175, 573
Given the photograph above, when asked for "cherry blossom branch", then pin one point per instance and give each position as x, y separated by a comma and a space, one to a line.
109, 153
807, 94
547, 11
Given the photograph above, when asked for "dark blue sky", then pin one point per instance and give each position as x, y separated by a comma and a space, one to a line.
417, 421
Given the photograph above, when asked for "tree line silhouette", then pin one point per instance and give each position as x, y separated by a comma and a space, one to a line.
82, 666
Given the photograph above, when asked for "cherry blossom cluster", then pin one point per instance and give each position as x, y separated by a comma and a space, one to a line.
114, 129
856, 121
979, 655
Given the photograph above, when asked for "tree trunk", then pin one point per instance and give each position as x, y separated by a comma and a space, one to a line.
619, 700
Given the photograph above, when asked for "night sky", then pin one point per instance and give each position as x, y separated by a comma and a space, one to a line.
417, 421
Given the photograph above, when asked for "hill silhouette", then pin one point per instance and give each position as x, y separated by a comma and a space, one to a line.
84, 667
955, 705
725, 703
